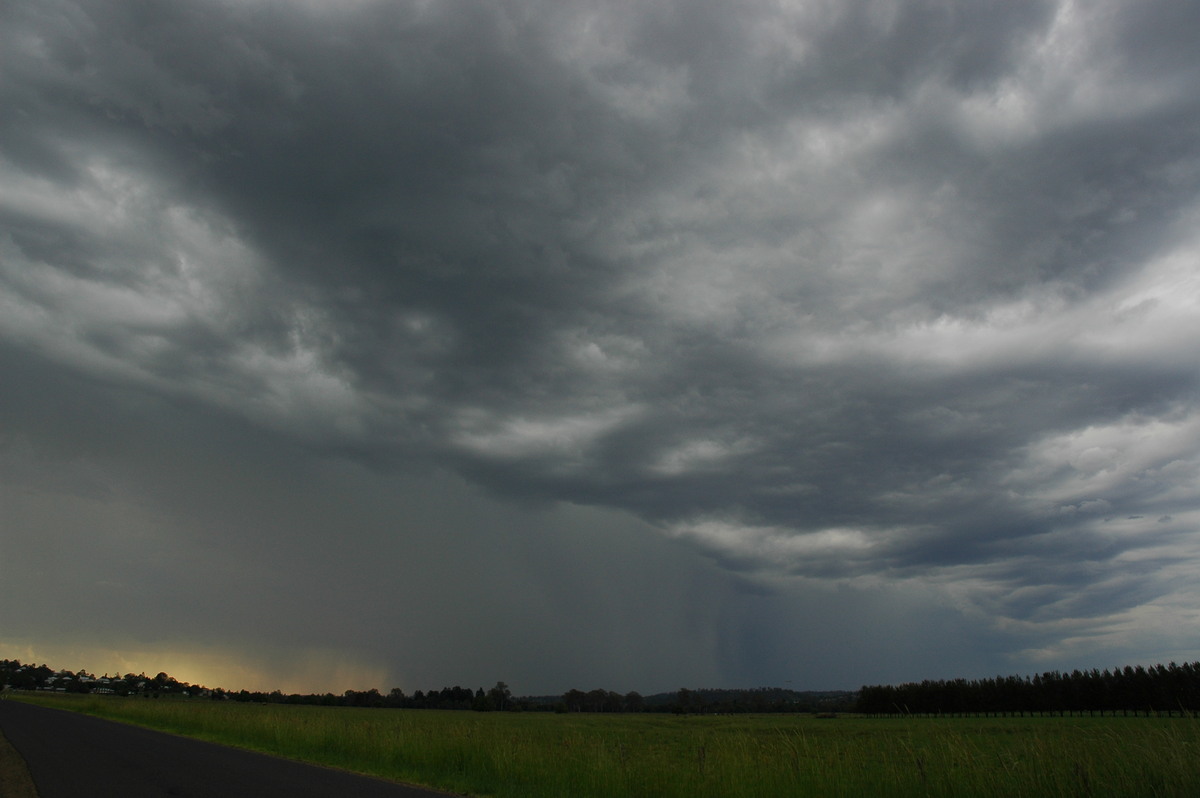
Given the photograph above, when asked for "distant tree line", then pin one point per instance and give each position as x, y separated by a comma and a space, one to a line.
707, 701
498, 698
15, 675
18, 676
1134, 689
1161, 689
601, 701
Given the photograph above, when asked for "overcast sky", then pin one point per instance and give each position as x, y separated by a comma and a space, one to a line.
633, 345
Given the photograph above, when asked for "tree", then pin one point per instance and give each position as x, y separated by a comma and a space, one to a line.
500, 696
574, 700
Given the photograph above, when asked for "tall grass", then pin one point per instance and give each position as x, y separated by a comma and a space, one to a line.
765, 756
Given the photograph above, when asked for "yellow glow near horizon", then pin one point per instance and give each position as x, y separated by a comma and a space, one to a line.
306, 671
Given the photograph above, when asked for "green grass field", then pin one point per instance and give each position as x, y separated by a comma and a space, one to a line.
765, 756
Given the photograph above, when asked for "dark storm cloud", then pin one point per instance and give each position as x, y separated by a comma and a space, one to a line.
875, 292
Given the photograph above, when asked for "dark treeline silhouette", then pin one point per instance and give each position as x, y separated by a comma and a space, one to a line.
705, 701
18, 676
498, 698
1159, 689
15, 675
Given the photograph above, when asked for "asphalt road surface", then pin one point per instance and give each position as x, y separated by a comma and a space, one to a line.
69, 755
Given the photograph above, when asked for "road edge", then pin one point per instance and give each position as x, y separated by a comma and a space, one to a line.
32, 787
15, 781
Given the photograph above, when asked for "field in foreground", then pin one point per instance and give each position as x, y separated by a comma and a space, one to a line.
536, 754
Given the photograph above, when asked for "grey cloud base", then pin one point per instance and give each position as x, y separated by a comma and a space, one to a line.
889, 302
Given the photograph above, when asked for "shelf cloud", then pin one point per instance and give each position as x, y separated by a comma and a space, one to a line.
586, 344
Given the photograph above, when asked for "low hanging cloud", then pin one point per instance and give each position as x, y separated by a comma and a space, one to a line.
854, 293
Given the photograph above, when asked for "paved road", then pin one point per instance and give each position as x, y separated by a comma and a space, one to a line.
77, 756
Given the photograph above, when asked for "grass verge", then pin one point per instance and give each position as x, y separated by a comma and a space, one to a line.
532, 755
